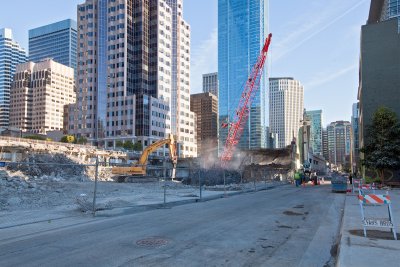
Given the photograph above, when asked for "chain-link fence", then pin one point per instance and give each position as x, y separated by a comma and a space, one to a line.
55, 182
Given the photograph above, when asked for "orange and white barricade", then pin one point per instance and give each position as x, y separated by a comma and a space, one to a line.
366, 200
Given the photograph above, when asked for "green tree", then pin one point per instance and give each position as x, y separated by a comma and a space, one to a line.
128, 145
82, 140
382, 149
137, 146
67, 139
119, 143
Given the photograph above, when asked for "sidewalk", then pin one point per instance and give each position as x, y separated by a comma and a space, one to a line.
379, 248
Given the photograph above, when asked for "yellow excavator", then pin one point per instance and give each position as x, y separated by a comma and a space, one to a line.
139, 169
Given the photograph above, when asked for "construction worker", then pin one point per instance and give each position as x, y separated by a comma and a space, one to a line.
297, 178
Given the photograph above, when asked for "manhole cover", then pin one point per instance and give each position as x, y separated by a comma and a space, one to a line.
152, 242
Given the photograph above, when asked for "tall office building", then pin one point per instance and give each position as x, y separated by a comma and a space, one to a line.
130, 86
57, 41
379, 64
339, 142
315, 117
205, 106
325, 149
210, 83
242, 29
286, 107
11, 54
39, 93
355, 133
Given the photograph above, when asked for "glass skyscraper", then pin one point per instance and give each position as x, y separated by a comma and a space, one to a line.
242, 29
11, 54
315, 117
57, 41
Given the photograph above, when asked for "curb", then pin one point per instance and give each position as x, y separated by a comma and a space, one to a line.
341, 234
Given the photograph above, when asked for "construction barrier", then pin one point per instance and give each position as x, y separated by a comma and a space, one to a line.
366, 200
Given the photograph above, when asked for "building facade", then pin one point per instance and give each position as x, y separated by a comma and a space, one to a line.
129, 85
242, 29
11, 54
315, 117
210, 83
339, 143
57, 41
325, 149
286, 107
39, 93
379, 64
205, 106
355, 134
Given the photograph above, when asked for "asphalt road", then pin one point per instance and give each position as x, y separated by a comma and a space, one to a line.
285, 226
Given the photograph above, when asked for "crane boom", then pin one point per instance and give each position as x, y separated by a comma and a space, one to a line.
236, 127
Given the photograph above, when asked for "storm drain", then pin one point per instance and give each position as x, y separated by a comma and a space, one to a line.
152, 242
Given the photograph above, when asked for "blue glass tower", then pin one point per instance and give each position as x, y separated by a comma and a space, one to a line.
242, 29
57, 41
11, 54
315, 117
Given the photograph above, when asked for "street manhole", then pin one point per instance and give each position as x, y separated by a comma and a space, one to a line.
152, 242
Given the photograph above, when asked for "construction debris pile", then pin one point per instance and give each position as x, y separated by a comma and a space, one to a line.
52, 166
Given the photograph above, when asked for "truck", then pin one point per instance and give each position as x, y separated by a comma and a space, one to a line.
138, 170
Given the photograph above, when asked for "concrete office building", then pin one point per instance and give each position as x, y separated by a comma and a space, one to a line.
339, 143
379, 64
205, 106
286, 107
315, 117
210, 83
11, 54
38, 95
57, 41
129, 85
242, 29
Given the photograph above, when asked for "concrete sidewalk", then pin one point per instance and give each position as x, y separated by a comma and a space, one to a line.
379, 248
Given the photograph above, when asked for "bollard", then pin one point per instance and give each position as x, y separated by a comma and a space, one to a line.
224, 185
165, 193
95, 186
200, 183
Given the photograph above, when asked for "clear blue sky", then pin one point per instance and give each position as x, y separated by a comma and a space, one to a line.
315, 41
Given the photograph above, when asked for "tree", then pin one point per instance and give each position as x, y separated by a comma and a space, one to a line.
382, 149
119, 143
67, 139
137, 146
128, 145
82, 140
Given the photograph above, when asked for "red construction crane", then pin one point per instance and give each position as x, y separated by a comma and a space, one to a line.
235, 128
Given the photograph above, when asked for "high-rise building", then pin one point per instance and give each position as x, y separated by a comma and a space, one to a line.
325, 149
39, 93
210, 83
130, 85
379, 64
205, 106
315, 117
339, 142
355, 145
11, 54
57, 41
182, 119
242, 29
286, 107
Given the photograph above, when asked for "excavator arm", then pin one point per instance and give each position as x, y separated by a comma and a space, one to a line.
139, 169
